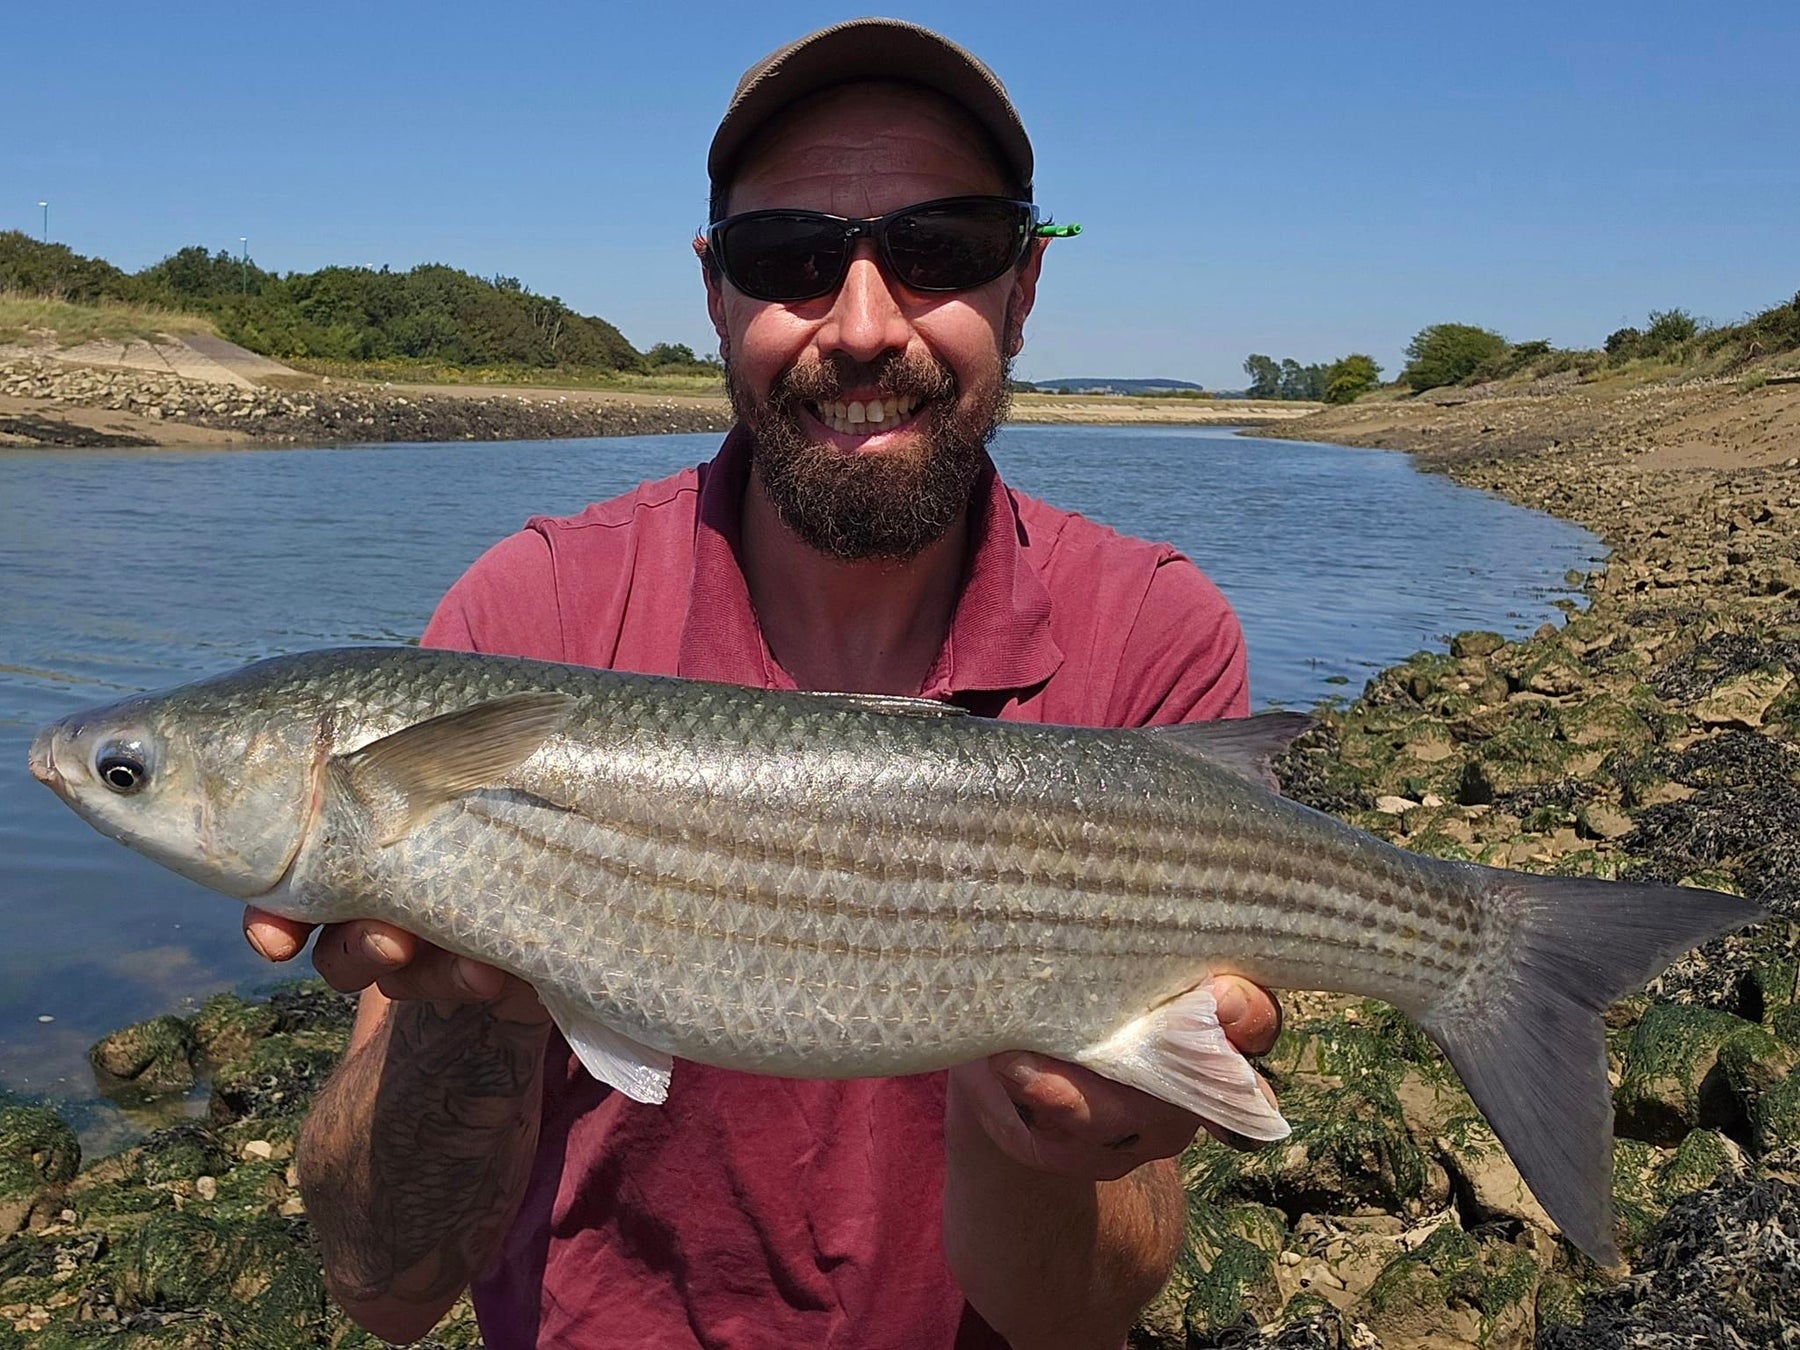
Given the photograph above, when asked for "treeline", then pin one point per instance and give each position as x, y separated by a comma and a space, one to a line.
1342, 381
431, 314
1462, 354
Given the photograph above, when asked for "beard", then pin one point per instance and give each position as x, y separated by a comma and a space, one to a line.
888, 505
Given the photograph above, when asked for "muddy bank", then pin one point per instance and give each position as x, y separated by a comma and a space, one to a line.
45, 402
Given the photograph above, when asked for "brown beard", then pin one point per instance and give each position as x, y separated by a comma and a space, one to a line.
875, 506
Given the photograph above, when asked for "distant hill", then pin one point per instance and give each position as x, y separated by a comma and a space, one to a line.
1116, 386
432, 313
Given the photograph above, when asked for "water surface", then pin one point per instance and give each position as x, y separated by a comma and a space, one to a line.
122, 571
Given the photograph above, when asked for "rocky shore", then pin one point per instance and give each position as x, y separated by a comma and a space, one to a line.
150, 408
1656, 733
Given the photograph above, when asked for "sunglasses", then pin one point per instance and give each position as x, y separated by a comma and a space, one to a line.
951, 244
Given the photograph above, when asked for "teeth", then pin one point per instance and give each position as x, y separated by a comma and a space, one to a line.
859, 418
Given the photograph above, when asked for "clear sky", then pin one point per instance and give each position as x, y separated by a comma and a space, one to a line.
1297, 179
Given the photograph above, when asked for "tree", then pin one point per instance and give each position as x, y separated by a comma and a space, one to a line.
1349, 378
1670, 328
1265, 377
671, 354
1448, 353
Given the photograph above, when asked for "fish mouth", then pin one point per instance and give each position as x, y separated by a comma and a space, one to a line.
43, 759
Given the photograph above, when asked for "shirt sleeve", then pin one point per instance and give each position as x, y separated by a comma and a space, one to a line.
505, 604
1184, 658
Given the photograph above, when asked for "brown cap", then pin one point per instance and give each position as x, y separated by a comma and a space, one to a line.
868, 49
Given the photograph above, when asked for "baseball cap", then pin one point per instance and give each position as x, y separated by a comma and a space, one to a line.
868, 49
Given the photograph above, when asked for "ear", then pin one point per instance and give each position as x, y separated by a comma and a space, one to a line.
715, 295
1023, 296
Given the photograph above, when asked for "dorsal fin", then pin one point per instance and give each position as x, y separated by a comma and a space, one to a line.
1246, 746
892, 705
401, 779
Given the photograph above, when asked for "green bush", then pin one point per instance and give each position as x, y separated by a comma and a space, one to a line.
1448, 353
1350, 377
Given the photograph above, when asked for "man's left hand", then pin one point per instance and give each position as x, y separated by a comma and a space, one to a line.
1061, 1118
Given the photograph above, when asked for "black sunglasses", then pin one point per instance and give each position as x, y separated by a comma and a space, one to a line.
951, 244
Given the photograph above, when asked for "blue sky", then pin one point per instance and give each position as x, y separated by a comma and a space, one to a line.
1300, 179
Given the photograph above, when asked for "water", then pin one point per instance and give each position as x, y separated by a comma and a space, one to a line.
122, 571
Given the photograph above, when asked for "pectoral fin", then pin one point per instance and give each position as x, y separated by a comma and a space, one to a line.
1178, 1052
401, 779
641, 1073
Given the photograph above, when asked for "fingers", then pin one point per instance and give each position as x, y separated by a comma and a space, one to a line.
273, 937
1248, 1013
1062, 1118
365, 952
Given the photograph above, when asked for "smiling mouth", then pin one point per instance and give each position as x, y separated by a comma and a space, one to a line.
865, 417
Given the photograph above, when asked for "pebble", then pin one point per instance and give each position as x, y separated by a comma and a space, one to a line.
260, 1149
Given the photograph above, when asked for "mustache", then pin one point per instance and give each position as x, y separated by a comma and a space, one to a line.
914, 374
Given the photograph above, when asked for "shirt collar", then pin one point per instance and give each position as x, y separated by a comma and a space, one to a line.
999, 637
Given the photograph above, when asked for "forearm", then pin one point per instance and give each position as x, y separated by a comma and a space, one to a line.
415, 1157
1052, 1261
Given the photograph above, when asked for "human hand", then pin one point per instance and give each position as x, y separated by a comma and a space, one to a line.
1062, 1118
362, 952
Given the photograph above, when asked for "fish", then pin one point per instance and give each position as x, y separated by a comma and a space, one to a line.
845, 885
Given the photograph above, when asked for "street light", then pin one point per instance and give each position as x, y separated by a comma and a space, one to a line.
45, 208
244, 269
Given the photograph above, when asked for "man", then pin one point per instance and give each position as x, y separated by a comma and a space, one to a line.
851, 535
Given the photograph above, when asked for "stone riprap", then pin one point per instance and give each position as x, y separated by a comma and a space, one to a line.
340, 413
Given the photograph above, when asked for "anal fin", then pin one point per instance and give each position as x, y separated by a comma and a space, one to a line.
1177, 1051
612, 1057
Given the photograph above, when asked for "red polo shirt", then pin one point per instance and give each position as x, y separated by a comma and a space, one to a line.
751, 1211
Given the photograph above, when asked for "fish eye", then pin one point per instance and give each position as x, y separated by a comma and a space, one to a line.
122, 766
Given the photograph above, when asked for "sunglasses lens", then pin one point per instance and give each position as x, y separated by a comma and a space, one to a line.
956, 245
776, 257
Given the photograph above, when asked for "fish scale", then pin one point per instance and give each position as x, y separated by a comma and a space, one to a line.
838, 886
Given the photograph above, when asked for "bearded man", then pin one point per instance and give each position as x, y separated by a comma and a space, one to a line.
872, 260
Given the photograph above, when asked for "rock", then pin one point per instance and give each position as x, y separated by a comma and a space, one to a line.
38, 1152
1672, 1082
183, 1152
226, 1026
1598, 820
1487, 1184
1741, 702
1476, 643
276, 1077
156, 1055
1394, 806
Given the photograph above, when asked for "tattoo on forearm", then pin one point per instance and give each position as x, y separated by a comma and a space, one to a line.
412, 1207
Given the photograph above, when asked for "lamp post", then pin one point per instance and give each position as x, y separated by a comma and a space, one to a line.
45, 208
244, 265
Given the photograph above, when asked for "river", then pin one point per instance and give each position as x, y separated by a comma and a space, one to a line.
127, 570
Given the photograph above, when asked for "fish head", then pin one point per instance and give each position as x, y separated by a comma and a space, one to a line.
222, 793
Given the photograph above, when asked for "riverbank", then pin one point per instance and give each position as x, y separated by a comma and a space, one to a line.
145, 394
1654, 733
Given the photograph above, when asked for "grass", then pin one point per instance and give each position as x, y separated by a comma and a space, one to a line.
23, 316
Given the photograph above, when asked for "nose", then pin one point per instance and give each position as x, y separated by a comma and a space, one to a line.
866, 319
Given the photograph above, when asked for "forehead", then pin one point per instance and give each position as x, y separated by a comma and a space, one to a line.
862, 149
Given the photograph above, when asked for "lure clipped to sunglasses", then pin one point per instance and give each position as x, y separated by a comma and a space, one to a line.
948, 244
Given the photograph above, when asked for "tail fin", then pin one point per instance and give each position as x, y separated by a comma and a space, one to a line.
1526, 1034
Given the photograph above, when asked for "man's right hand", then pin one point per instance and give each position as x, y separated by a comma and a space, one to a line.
361, 953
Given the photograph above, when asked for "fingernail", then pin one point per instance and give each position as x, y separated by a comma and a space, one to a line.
1232, 1005
381, 948
1018, 1070
256, 943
